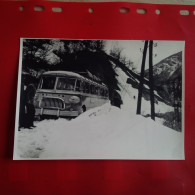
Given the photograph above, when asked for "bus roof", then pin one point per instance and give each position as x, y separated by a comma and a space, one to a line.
71, 74
62, 73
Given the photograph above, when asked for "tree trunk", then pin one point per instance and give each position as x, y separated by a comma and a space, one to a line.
151, 79
140, 89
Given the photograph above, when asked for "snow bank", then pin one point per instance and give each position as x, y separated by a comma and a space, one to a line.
105, 132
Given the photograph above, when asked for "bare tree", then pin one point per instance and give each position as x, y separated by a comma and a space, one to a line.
151, 80
140, 89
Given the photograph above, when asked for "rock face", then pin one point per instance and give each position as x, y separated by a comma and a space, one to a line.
168, 78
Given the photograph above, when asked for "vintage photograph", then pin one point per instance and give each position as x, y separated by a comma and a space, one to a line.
100, 99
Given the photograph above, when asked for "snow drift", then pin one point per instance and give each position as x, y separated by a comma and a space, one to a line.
105, 132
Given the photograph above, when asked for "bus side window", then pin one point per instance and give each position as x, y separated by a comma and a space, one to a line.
79, 86
84, 87
106, 93
92, 89
102, 92
87, 90
97, 90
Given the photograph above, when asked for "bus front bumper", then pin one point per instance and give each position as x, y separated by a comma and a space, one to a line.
52, 112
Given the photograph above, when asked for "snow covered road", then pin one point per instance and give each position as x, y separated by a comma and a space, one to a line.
105, 132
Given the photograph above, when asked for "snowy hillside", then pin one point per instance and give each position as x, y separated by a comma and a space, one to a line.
168, 77
167, 69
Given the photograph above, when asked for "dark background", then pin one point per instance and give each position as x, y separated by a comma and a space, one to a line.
93, 176
81, 56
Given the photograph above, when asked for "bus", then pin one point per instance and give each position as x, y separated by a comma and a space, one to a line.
67, 94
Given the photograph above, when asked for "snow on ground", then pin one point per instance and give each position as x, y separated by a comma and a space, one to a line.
105, 132
129, 96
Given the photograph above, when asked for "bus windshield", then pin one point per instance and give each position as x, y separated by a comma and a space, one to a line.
48, 82
66, 83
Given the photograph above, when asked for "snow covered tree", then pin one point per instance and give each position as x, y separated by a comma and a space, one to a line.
35, 52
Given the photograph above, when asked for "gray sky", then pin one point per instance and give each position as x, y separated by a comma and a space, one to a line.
131, 50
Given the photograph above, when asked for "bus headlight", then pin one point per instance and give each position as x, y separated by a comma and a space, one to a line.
74, 99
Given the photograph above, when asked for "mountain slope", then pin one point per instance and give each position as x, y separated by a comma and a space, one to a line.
168, 77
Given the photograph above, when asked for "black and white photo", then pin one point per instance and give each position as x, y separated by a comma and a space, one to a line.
100, 99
